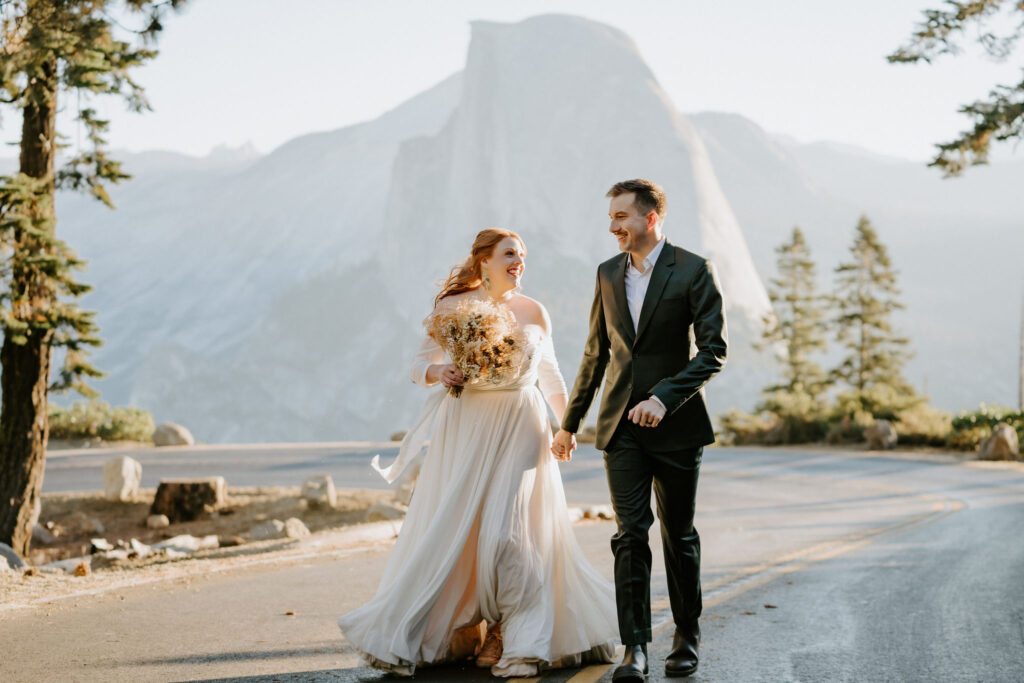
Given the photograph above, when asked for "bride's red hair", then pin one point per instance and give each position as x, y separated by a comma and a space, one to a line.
466, 276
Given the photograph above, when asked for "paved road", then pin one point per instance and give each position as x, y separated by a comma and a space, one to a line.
818, 566
253, 465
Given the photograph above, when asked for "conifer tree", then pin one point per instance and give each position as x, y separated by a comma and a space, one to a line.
48, 49
865, 298
797, 323
1000, 116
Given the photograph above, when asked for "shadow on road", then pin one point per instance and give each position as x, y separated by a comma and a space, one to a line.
465, 672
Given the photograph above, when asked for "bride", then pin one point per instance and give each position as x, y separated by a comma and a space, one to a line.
487, 540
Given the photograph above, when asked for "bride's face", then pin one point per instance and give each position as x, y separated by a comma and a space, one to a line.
506, 265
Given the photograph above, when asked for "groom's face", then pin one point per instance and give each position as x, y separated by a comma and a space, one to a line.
628, 226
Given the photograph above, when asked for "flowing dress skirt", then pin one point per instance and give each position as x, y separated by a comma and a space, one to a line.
487, 536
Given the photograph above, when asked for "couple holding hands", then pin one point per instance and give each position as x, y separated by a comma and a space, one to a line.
486, 563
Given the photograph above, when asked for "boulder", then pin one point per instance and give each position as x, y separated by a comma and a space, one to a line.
318, 491
295, 528
40, 534
272, 529
599, 512
881, 436
10, 559
384, 512
157, 522
99, 545
138, 549
184, 500
186, 543
68, 566
170, 434
1002, 445
121, 478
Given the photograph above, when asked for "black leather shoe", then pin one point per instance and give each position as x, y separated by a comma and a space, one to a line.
634, 665
682, 661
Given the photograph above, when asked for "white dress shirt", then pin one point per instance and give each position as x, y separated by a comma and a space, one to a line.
636, 287
637, 282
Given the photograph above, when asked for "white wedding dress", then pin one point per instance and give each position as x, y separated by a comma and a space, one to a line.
487, 534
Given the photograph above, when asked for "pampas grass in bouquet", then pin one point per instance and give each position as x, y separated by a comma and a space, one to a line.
480, 336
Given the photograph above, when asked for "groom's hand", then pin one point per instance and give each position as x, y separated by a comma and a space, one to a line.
647, 413
563, 445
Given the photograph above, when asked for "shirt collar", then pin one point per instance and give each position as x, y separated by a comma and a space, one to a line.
652, 257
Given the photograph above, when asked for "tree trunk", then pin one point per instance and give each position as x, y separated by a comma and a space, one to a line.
25, 375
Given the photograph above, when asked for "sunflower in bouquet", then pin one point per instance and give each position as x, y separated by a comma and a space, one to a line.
480, 336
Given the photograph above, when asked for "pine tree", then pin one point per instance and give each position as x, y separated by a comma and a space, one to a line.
51, 48
865, 299
1001, 115
797, 322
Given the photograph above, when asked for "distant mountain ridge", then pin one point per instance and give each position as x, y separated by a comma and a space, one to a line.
278, 297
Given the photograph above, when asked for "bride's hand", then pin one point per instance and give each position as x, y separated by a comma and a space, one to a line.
449, 375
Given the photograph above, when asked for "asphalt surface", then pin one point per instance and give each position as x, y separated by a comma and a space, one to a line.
818, 565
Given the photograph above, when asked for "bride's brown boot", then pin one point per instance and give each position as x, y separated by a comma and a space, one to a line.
490, 653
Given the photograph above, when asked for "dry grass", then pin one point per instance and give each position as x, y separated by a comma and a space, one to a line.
69, 517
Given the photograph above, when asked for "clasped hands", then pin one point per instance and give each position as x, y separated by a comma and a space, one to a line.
647, 413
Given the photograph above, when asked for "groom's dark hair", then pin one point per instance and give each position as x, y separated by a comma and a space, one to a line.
649, 196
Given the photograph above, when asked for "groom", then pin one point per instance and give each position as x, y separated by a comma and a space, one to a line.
654, 303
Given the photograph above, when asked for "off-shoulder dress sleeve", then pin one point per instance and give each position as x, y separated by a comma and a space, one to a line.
548, 374
429, 353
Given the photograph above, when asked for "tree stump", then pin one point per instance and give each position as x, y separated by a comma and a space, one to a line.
184, 500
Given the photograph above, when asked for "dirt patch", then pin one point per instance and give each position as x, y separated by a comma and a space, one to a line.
76, 518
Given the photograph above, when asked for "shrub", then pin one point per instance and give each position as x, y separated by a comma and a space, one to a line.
969, 429
923, 425
741, 429
849, 428
97, 420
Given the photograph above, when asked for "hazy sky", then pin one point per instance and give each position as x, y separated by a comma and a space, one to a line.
237, 71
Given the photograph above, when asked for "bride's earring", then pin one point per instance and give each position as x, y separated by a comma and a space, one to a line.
487, 282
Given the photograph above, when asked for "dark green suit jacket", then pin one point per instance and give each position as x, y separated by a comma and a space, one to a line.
682, 312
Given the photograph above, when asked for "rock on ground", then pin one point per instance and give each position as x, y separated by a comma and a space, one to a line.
272, 529
170, 434
121, 478
40, 534
295, 528
1002, 445
599, 512
10, 559
184, 500
385, 512
881, 436
319, 491
157, 522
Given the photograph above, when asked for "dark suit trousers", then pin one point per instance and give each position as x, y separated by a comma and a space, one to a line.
632, 470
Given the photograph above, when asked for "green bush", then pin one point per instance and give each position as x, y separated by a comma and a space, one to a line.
923, 425
969, 429
742, 429
97, 420
849, 428
770, 428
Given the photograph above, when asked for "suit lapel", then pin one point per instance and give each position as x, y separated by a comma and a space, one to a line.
662, 272
619, 298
